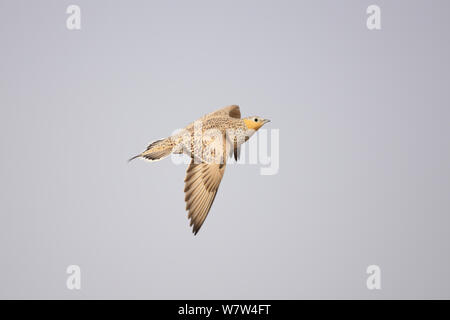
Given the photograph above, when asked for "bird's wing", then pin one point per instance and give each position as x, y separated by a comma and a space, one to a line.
201, 184
230, 111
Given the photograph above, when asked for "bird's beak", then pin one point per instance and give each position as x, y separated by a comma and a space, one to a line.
266, 120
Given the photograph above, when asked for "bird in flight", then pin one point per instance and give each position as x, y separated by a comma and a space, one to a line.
209, 142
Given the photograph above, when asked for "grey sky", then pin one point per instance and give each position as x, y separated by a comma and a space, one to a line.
364, 149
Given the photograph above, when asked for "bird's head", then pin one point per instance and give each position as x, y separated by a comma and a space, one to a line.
255, 122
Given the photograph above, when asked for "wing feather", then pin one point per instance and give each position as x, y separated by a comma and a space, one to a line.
201, 184
232, 111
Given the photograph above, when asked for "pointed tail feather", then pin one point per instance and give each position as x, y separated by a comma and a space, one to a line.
157, 150
139, 155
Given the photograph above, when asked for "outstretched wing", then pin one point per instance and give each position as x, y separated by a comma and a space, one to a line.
201, 184
232, 111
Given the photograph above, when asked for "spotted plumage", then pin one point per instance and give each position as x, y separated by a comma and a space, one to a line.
209, 141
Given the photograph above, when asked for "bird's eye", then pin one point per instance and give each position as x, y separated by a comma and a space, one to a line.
256, 119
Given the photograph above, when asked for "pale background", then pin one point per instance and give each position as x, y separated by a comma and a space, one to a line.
364, 149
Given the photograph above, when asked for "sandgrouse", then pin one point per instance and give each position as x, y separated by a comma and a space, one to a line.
208, 141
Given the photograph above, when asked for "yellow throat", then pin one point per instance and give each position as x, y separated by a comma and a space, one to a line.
251, 124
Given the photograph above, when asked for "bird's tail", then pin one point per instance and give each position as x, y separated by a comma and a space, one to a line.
135, 157
157, 150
